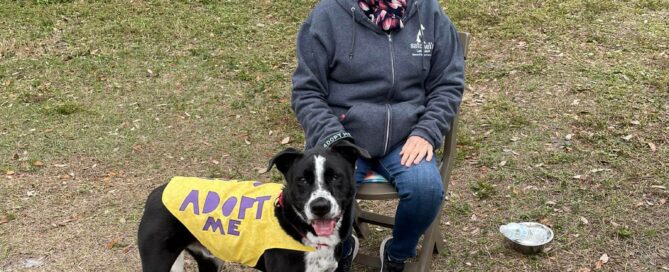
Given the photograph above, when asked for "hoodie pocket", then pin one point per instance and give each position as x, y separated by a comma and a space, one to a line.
368, 124
404, 117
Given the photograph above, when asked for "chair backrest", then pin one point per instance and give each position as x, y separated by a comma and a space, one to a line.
450, 139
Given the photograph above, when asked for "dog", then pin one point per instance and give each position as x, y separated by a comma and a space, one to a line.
314, 210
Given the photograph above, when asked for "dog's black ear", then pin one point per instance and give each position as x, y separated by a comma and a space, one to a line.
349, 151
285, 159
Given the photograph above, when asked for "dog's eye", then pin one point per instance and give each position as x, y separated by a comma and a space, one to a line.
302, 181
334, 177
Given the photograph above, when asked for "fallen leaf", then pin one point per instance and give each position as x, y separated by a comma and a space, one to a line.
38, 163
584, 220
502, 163
32, 263
65, 176
10, 172
568, 137
247, 142
663, 201
658, 187
545, 221
635, 122
584, 270
128, 248
285, 140
652, 147
577, 177
31, 193
4, 219
551, 203
514, 139
602, 260
638, 204
628, 137
111, 244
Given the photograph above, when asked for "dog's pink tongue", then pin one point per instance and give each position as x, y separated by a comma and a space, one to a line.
324, 227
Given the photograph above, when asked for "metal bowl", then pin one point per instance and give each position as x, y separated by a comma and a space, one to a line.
532, 247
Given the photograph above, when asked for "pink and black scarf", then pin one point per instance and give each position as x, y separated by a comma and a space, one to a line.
387, 14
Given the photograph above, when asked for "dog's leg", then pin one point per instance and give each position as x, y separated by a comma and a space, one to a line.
161, 237
206, 262
178, 265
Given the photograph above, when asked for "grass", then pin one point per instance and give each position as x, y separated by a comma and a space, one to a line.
115, 97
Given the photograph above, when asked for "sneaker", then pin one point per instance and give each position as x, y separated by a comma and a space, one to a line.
386, 264
346, 262
356, 246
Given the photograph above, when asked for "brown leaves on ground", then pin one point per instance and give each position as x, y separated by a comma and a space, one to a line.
4, 219
602, 260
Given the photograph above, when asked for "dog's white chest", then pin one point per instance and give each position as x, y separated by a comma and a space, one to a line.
323, 259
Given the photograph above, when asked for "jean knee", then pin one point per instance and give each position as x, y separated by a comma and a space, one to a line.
426, 188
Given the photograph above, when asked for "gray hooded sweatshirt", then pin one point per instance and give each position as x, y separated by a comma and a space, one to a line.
353, 80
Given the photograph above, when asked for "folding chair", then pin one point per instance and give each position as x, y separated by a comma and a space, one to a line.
432, 241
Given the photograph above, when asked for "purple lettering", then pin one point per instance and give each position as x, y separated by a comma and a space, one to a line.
211, 202
228, 206
214, 224
257, 183
246, 203
192, 198
232, 227
261, 200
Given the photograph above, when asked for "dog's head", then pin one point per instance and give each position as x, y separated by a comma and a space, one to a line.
320, 182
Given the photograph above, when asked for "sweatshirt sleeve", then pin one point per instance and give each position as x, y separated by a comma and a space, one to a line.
310, 89
444, 85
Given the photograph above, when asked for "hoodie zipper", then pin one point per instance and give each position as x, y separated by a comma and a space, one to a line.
390, 94
385, 146
392, 63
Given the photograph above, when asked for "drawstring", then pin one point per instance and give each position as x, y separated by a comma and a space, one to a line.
350, 54
422, 40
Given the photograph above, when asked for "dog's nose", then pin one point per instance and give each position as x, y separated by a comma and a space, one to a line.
320, 206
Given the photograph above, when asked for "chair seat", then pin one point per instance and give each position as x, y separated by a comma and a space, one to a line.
375, 187
376, 191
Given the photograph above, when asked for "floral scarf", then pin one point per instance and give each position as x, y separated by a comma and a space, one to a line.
387, 14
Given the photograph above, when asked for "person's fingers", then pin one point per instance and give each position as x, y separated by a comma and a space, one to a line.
420, 156
429, 154
411, 158
406, 150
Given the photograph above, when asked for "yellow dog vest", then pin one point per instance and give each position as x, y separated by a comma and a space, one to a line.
233, 219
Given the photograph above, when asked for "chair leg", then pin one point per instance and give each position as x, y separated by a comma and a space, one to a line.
432, 243
425, 255
360, 227
439, 243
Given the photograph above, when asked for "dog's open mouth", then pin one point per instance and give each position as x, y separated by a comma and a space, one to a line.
324, 227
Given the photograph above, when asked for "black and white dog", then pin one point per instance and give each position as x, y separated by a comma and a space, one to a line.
316, 209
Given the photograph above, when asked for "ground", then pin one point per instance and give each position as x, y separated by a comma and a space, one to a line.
565, 122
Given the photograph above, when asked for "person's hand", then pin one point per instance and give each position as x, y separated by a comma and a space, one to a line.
414, 150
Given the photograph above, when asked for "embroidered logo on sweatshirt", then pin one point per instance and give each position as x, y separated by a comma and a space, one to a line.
421, 47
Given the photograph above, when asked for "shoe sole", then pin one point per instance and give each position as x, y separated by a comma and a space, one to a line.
382, 250
356, 246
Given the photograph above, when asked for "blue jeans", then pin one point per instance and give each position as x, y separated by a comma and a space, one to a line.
421, 192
